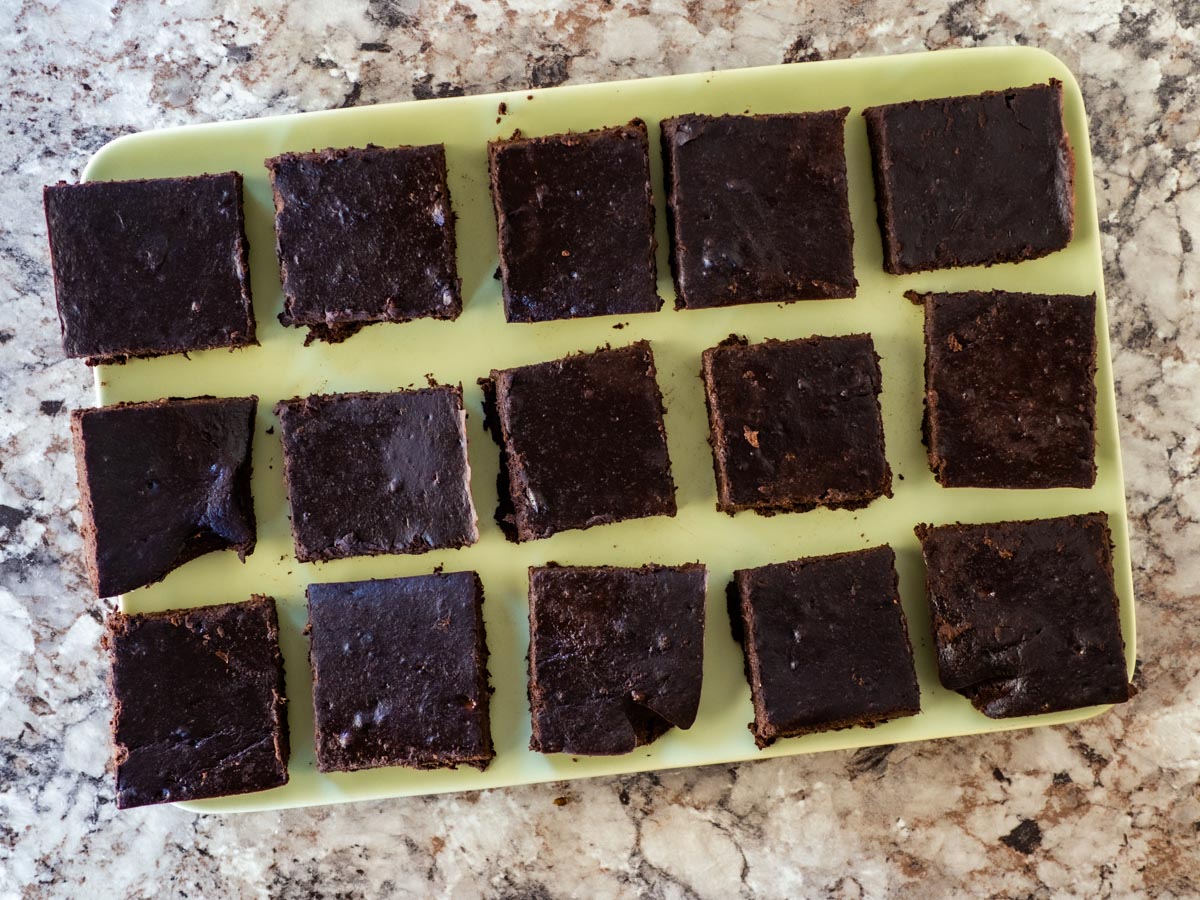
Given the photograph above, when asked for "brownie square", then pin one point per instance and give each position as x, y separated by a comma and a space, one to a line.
977, 180
198, 702
146, 268
576, 224
615, 655
581, 442
825, 643
1010, 389
364, 236
796, 424
775, 231
1025, 616
369, 473
400, 673
161, 483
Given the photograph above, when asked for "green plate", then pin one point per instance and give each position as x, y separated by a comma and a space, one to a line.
388, 357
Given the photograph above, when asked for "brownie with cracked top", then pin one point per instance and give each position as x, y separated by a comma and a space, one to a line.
400, 673
615, 655
1025, 616
775, 231
150, 267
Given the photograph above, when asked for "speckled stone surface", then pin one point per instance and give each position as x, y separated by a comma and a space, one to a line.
1107, 808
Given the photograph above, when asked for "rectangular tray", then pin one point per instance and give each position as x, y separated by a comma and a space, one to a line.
388, 357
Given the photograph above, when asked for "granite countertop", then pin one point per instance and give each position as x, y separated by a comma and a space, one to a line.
1107, 807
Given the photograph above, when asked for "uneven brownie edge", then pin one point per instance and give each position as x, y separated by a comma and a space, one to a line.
268, 771
336, 331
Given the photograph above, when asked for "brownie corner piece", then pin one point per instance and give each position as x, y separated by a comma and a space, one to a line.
1025, 614
582, 442
615, 655
972, 180
376, 473
150, 267
575, 221
364, 236
825, 642
777, 231
796, 424
400, 673
218, 725
1010, 389
162, 483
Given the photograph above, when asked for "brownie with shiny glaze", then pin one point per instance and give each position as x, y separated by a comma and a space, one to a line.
1010, 389
796, 424
400, 673
615, 655
161, 483
198, 702
825, 642
151, 267
775, 230
581, 442
576, 224
374, 473
364, 236
974, 180
1025, 615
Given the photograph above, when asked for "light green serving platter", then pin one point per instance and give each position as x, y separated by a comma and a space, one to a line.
388, 357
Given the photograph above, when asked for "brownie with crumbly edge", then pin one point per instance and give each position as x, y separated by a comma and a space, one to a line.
199, 708
581, 441
615, 655
775, 231
796, 424
400, 673
1025, 615
974, 180
364, 236
576, 223
374, 473
1010, 389
162, 483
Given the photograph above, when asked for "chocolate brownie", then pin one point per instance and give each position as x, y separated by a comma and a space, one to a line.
774, 231
576, 224
581, 442
615, 655
1010, 389
1025, 616
977, 180
369, 474
146, 268
161, 483
796, 424
198, 702
400, 673
825, 642
364, 236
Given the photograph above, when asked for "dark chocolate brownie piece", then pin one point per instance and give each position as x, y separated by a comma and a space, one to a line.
576, 223
198, 702
1025, 616
796, 424
161, 483
369, 474
145, 268
1010, 389
581, 442
825, 642
400, 673
364, 236
977, 180
615, 655
774, 231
